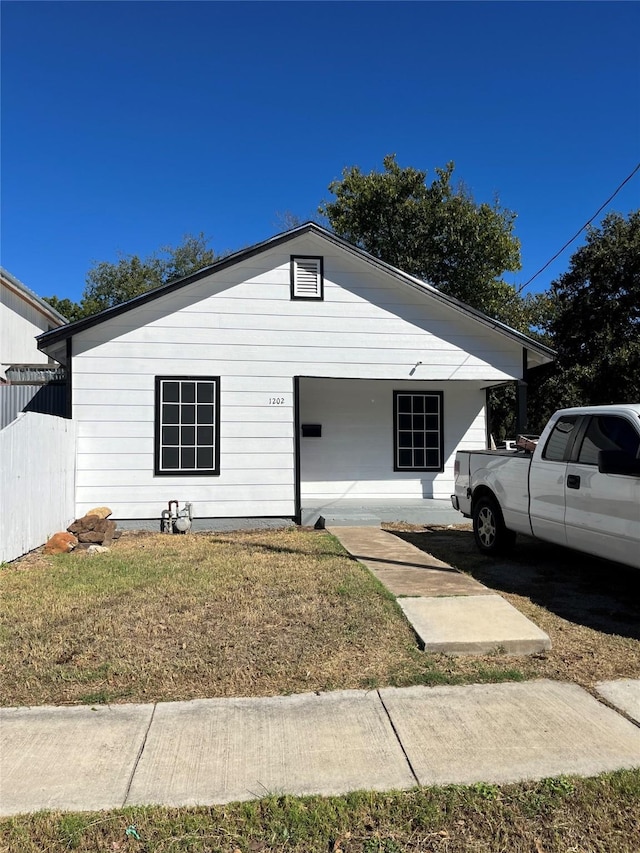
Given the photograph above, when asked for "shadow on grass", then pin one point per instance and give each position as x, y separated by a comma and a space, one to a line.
324, 545
585, 590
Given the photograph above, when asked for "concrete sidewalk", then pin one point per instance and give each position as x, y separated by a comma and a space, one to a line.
449, 611
220, 750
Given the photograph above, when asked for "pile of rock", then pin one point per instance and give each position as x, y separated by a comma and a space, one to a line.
93, 532
60, 543
94, 528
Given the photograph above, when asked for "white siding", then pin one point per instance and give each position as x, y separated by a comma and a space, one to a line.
36, 482
240, 324
20, 322
354, 456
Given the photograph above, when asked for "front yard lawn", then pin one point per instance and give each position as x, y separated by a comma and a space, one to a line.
163, 618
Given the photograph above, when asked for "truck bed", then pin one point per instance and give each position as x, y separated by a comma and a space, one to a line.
504, 472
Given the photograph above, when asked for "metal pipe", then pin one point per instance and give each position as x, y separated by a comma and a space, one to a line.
165, 521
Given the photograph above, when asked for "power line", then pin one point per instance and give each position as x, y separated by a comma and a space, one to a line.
577, 234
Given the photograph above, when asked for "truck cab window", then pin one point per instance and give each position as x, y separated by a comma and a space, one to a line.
607, 432
558, 442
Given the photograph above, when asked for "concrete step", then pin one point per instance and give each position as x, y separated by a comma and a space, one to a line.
473, 624
449, 611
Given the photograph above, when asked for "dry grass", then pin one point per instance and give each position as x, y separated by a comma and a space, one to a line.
600, 815
589, 608
239, 614
273, 612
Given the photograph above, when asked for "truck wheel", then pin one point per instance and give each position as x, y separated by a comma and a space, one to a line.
489, 531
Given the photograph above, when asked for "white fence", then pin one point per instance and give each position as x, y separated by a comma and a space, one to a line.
37, 481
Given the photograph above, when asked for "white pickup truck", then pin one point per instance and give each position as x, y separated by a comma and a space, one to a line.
579, 487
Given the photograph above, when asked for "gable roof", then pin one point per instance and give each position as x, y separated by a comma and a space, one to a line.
14, 284
66, 332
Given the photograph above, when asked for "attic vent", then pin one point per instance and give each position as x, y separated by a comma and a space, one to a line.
306, 278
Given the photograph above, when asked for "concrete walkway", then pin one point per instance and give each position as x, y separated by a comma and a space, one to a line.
220, 750
449, 611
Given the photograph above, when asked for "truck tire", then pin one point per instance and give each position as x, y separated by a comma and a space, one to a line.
489, 531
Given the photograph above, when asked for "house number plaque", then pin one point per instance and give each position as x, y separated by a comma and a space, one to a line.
276, 401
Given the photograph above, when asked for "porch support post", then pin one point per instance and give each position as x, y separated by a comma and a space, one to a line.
296, 450
69, 380
488, 416
522, 419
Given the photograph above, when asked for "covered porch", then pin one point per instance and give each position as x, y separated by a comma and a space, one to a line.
383, 450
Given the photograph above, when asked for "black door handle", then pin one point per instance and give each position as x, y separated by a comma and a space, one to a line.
573, 481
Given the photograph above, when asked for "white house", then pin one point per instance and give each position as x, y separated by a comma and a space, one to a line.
23, 316
29, 379
298, 372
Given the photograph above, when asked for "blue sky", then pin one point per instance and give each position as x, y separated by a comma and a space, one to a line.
127, 125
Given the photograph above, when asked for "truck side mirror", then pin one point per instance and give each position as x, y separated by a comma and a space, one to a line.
618, 462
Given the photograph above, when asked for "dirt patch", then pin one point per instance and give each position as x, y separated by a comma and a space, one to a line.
590, 608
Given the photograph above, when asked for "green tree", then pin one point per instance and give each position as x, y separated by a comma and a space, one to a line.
109, 284
439, 233
594, 321
69, 309
191, 255
433, 231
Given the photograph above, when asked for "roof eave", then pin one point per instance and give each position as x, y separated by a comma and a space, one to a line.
71, 329
32, 298
56, 335
451, 301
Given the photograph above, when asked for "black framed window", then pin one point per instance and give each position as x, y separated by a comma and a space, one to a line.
418, 431
187, 425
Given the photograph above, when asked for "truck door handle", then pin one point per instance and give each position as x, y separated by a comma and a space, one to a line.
573, 481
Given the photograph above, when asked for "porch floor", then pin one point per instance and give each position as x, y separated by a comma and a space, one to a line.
351, 512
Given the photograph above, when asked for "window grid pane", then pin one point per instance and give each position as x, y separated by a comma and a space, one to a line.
418, 431
187, 440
